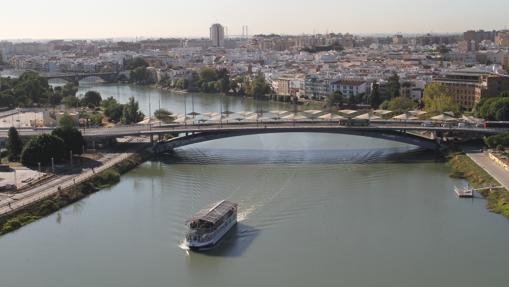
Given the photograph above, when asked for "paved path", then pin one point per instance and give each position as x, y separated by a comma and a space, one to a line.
492, 168
20, 200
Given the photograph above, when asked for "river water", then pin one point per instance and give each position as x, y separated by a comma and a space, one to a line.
314, 210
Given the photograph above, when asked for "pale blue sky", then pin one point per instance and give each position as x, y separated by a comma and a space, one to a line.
166, 18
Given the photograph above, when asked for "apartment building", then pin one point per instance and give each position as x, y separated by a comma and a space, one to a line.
469, 87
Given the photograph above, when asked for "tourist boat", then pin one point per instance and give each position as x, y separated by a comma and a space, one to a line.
207, 227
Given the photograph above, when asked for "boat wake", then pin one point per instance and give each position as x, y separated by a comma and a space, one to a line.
182, 245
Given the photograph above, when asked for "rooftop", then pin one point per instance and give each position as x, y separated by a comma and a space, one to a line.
215, 212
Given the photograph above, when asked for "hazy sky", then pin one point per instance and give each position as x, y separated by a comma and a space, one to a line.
166, 18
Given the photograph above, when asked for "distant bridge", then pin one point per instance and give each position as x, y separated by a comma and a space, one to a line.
75, 78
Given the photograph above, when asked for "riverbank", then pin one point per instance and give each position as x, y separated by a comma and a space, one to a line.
72, 194
463, 167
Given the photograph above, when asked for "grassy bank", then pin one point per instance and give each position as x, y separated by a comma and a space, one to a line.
68, 196
463, 167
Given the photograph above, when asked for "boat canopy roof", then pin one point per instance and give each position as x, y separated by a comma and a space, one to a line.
215, 213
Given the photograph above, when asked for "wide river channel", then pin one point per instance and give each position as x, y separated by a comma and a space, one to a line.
314, 210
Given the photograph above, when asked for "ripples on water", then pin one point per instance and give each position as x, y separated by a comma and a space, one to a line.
271, 186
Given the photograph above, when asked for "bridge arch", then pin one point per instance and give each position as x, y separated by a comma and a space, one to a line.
397, 136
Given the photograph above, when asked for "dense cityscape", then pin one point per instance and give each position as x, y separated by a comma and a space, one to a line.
304, 67
257, 159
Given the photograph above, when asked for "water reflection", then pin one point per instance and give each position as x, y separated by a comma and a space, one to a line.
297, 157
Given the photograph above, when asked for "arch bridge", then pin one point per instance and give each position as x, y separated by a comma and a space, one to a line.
401, 136
75, 78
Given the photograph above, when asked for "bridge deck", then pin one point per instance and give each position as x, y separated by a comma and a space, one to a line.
304, 126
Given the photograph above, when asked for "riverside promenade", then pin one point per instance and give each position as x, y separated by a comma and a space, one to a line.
19, 201
492, 168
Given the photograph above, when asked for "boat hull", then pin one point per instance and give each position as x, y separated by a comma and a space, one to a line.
208, 245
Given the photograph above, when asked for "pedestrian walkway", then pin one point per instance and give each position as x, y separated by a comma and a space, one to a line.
492, 168
50, 188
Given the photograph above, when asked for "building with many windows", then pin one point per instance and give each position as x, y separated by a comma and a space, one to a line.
217, 35
350, 87
317, 88
469, 87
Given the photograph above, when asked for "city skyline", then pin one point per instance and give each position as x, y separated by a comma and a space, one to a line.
158, 18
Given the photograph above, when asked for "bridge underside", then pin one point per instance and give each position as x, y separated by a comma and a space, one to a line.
396, 136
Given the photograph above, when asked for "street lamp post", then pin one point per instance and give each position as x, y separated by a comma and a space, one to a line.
221, 111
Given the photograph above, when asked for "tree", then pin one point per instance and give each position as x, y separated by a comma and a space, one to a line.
374, 98
91, 99
437, 99
141, 76
207, 75
164, 115
399, 104
1, 58
335, 99
73, 139
259, 87
14, 144
224, 81
112, 109
393, 86
41, 149
69, 89
136, 63
66, 121
131, 113
71, 101
497, 140
495, 109
30, 89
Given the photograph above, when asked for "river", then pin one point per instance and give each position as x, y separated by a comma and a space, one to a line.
315, 210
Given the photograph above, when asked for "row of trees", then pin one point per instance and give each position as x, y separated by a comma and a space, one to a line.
42, 149
436, 99
128, 113
26, 91
495, 109
139, 74
500, 140
209, 80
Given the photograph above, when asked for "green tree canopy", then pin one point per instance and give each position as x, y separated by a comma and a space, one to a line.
393, 86
399, 104
71, 101
335, 99
207, 75
494, 109
164, 115
14, 144
131, 113
497, 140
374, 97
136, 63
66, 121
437, 99
73, 139
26, 91
41, 149
259, 87
141, 76
112, 109
91, 99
